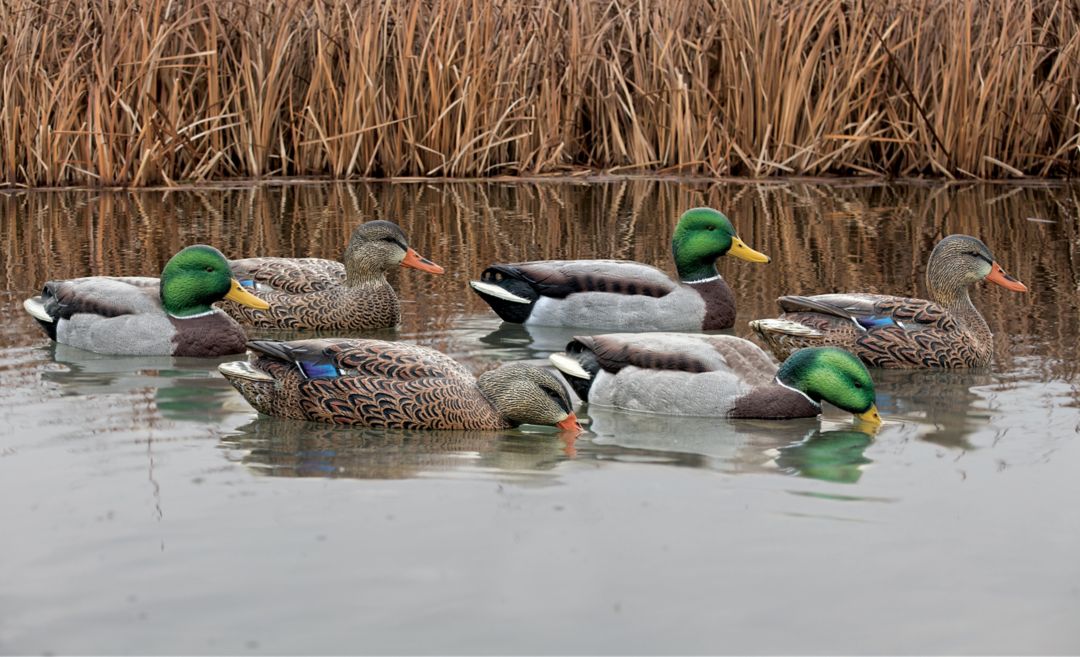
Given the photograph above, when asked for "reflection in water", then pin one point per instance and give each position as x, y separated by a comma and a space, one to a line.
293, 448
942, 404
835, 456
177, 388
792, 447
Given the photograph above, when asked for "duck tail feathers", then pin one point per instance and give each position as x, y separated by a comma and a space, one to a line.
35, 306
579, 369
506, 290
767, 327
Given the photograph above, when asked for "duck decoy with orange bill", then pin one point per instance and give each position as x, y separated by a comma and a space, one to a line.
319, 294
382, 384
900, 332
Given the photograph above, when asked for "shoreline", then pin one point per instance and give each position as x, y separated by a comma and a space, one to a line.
584, 177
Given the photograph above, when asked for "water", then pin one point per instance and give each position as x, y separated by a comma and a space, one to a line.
147, 509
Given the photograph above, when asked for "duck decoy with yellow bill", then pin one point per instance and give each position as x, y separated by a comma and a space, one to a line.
900, 332
143, 316
700, 375
320, 294
624, 295
382, 384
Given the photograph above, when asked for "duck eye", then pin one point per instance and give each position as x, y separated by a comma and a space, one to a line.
209, 269
710, 228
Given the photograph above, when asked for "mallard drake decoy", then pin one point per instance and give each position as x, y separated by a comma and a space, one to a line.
898, 332
394, 385
619, 294
319, 294
713, 376
142, 316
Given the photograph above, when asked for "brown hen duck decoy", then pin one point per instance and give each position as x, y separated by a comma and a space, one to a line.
319, 294
395, 385
899, 332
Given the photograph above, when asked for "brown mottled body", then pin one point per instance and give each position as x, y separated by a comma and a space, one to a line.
389, 385
319, 294
313, 294
929, 336
899, 332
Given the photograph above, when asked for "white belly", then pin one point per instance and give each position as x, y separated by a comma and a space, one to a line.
682, 310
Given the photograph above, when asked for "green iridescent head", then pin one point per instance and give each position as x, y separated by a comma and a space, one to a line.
832, 375
196, 277
703, 235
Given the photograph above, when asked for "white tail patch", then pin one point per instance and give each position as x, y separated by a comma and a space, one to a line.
569, 366
36, 309
785, 327
497, 292
241, 369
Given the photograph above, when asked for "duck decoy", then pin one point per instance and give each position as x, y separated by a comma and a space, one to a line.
382, 384
701, 375
320, 294
144, 316
624, 295
899, 332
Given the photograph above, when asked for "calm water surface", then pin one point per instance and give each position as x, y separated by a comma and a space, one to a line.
147, 509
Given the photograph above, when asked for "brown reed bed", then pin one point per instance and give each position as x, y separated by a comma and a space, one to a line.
147, 92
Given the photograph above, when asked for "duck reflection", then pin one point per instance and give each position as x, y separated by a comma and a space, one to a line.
180, 388
943, 407
293, 448
791, 447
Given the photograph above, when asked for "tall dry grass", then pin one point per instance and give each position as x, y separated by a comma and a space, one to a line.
140, 92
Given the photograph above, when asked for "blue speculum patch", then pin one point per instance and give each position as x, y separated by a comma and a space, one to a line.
875, 321
318, 370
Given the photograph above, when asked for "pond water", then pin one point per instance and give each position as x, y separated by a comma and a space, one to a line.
147, 509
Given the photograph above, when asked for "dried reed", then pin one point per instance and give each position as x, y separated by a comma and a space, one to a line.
141, 92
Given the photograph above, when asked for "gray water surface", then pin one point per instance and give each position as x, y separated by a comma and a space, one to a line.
147, 509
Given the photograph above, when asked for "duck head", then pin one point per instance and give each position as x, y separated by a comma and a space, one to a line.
703, 235
198, 276
961, 260
376, 247
526, 394
832, 375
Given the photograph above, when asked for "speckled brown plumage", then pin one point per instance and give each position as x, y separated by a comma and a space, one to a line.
389, 385
898, 332
318, 294
327, 305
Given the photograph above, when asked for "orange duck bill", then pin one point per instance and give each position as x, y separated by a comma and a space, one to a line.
417, 261
570, 424
998, 275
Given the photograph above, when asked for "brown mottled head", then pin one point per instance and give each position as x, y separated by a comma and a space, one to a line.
376, 247
959, 261
526, 394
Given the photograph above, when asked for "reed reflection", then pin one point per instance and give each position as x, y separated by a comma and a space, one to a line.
851, 236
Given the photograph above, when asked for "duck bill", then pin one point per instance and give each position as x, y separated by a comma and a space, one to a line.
241, 296
740, 250
871, 416
998, 275
417, 261
570, 425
